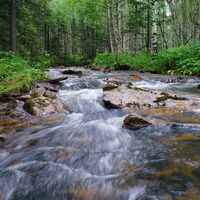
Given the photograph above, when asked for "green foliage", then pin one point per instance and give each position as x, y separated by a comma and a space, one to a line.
75, 60
16, 75
139, 62
43, 61
180, 60
106, 60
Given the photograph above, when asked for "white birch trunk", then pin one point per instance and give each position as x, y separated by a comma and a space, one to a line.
154, 29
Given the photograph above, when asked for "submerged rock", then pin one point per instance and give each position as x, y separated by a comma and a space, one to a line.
108, 87
2, 138
133, 122
198, 87
56, 80
78, 73
135, 77
176, 80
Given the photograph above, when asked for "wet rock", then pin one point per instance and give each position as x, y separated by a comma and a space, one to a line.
59, 106
179, 125
98, 68
56, 80
13, 94
39, 106
110, 105
198, 87
176, 80
116, 81
108, 87
49, 86
43, 106
134, 98
2, 138
7, 97
50, 94
38, 92
78, 73
24, 98
135, 77
134, 123
107, 71
196, 173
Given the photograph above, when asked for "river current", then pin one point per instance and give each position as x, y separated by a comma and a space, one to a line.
89, 156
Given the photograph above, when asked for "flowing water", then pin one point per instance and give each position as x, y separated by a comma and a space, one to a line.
89, 156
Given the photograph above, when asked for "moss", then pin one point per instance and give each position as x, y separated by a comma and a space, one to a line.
129, 87
140, 89
28, 105
166, 96
129, 104
35, 94
44, 102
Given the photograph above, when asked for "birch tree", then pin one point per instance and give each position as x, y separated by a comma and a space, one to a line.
154, 29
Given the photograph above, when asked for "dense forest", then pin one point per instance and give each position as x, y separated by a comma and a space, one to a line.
145, 35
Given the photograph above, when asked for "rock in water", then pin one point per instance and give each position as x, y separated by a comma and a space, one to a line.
78, 73
132, 122
43, 106
198, 87
108, 87
2, 138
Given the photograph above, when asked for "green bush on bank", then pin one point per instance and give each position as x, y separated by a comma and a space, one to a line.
181, 60
139, 62
16, 74
106, 60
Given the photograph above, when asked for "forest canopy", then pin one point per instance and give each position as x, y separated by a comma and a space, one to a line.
145, 35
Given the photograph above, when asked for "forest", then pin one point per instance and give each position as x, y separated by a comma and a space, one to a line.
160, 36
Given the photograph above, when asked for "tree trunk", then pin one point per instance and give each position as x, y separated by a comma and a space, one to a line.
13, 27
154, 29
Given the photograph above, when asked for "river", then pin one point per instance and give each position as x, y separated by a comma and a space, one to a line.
89, 156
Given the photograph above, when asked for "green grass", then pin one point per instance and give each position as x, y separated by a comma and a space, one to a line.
16, 75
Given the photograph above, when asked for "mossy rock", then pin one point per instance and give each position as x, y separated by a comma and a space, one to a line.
39, 106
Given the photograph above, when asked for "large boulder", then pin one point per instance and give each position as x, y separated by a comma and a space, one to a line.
140, 100
44, 106
133, 122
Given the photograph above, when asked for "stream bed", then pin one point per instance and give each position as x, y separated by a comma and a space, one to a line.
87, 155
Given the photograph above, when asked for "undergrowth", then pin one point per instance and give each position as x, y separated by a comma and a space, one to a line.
16, 74
180, 60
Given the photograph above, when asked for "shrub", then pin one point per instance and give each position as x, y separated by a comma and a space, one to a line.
182, 60
16, 74
75, 60
139, 62
106, 60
